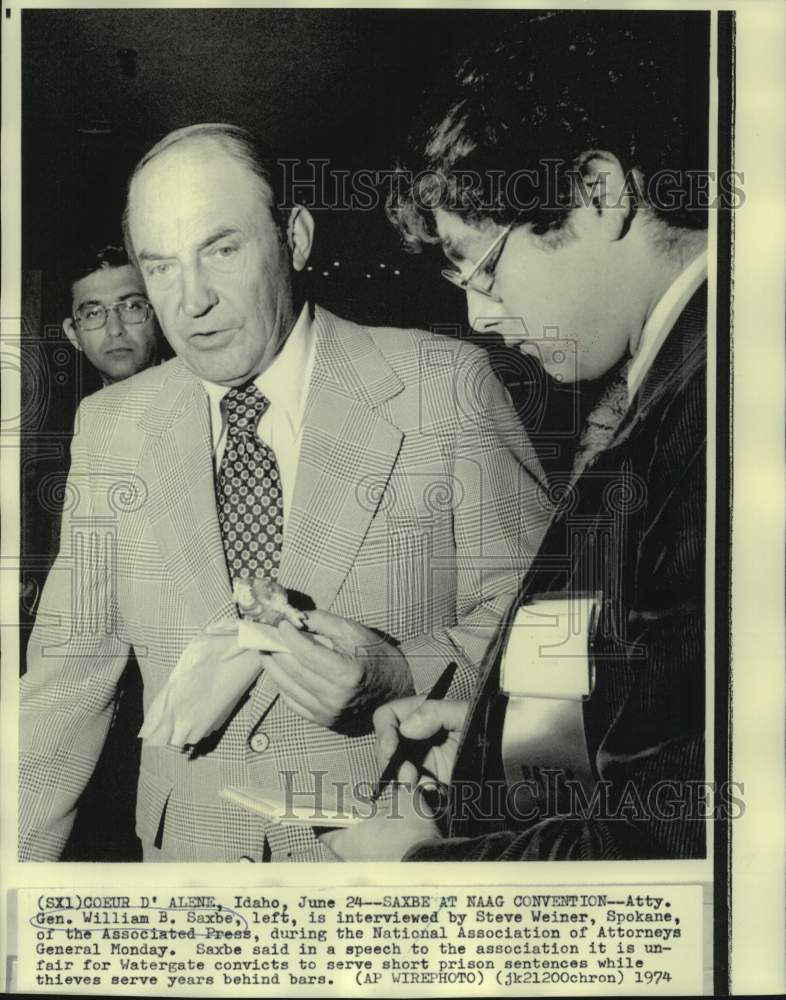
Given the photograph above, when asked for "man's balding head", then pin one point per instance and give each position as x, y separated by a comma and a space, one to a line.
239, 143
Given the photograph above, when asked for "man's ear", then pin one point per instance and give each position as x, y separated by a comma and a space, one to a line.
70, 331
300, 236
607, 191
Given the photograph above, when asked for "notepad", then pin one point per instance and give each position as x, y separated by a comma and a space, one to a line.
275, 807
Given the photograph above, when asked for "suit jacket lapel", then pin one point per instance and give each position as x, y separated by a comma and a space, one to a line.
348, 451
179, 467
684, 349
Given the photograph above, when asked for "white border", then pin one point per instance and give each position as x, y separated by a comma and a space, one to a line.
759, 694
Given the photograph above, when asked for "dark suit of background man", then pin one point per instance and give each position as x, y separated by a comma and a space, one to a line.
380, 473
592, 264
113, 325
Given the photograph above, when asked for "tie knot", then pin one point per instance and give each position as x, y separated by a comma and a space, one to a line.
244, 406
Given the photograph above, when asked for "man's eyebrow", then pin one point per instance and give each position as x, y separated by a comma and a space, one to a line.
120, 298
149, 255
220, 234
208, 241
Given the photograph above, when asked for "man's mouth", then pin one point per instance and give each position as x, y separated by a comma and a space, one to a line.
211, 338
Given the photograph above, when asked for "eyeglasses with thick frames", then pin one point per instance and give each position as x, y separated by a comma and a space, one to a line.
131, 312
483, 275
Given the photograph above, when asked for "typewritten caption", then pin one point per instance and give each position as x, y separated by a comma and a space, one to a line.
392, 940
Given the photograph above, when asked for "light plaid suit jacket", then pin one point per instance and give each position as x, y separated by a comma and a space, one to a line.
418, 506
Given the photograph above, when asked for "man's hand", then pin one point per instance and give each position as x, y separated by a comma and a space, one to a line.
438, 724
397, 825
340, 687
405, 819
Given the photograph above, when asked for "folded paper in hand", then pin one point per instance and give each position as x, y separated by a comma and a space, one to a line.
255, 635
266, 638
213, 673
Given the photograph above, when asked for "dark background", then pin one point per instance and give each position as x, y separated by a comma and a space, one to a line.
99, 87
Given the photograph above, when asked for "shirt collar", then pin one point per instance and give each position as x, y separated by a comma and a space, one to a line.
285, 381
661, 320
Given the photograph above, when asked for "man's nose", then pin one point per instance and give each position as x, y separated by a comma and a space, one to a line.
197, 295
483, 312
114, 325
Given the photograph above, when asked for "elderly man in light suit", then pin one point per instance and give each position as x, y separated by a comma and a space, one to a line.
387, 482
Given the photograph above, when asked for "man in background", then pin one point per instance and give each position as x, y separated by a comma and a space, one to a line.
112, 322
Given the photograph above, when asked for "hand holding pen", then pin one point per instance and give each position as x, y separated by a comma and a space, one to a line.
418, 736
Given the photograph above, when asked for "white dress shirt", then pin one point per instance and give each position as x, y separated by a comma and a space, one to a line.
662, 319
285, 383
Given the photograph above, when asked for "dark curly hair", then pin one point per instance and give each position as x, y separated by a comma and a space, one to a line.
112, 255
505, 138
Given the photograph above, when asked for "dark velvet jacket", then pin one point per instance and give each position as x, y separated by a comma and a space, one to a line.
632, 527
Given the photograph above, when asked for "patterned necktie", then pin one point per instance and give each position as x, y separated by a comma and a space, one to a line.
602, 423
248, 490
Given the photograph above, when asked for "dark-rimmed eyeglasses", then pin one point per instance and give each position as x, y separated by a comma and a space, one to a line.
482, 276
131, 312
